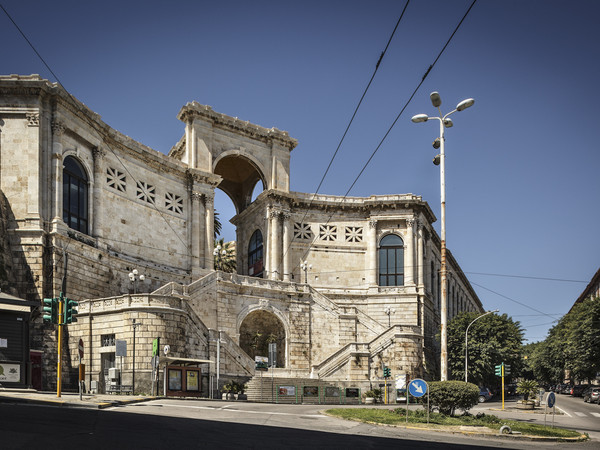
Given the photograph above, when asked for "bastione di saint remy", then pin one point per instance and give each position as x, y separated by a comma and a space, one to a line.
73, 189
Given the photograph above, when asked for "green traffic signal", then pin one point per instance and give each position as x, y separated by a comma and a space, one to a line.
50, 309
498, 370
387, 372
70, 310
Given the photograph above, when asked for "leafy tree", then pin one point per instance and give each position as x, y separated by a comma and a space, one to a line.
573, 345
225, 259
493, 339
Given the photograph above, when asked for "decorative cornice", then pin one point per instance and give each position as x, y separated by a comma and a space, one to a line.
194, 110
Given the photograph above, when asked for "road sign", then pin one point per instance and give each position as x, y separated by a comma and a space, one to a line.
417, 387
80, 348
551, 400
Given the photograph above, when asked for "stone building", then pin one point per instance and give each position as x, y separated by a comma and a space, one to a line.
85, 205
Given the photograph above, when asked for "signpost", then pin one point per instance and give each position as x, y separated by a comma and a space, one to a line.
81, 369
550, 402
417, 388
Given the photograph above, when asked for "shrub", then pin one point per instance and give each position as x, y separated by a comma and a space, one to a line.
447, 396
528, 388
377, 394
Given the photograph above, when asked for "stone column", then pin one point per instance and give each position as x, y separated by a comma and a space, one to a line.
196, 238
209, 203
57, 159
287, 249
98, 154
420, 256
276, 246
409, 257
371, 275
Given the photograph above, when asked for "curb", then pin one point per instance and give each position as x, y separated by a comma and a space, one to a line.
73, 404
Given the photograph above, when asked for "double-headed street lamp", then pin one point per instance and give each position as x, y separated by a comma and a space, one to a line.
445, 122
134, 277
467, 338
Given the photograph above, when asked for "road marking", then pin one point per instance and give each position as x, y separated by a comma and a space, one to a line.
595, 414
580, 414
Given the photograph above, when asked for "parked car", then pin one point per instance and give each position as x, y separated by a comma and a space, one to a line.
485, 394
577, 390
592, 394
566, 389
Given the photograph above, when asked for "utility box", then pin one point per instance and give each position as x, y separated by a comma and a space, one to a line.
113, 379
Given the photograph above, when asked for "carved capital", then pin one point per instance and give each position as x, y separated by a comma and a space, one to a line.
372, 224
197, 196
33, 119
209, 201
98, 153
410, 222
57, 128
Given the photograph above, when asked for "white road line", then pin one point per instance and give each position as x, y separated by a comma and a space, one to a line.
580, 414
595, 414
226, 408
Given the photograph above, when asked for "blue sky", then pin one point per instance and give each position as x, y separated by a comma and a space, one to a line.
522, 163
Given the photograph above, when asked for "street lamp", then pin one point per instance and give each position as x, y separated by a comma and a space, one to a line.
389, 311
445, 122
135, 325
467, 339
305, 267
133, 277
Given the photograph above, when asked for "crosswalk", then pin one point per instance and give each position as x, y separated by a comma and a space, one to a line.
582, 414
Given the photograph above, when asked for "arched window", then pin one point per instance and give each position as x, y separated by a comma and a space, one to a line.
255, 255
75, 195
391, 261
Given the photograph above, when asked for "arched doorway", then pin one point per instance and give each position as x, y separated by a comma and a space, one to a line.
241, 175
258, 330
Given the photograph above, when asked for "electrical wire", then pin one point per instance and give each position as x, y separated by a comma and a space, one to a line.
307, 251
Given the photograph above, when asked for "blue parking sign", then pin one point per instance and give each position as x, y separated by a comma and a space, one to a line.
551, 400
417, 387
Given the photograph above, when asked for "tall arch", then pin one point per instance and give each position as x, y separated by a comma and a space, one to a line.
259, 325
239, 174
391, 260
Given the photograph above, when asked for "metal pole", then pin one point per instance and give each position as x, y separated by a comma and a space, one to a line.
218, 357
59, 365
133, 374
444, 299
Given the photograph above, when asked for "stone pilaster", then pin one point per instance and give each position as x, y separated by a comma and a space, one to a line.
420, 255
209, 203
409, 257
287, 242
98, 155
372, 253
57, 160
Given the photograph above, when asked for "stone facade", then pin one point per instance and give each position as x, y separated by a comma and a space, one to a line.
85, 205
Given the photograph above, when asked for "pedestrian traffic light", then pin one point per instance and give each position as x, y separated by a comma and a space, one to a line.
387, 372
70, 310
50, 309
498, 370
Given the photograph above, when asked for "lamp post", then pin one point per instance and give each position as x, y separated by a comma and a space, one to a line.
467, 339
305, 267
135, 325
445, 122
219, 253
389, 311
133, 277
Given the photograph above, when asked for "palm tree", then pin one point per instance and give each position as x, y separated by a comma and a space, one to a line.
225, 256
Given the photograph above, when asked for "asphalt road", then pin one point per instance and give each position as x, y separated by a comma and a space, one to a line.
211, 424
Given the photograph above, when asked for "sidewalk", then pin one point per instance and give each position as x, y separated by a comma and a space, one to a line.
69, 399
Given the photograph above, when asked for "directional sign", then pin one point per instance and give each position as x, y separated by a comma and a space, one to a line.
551, 400
417, 387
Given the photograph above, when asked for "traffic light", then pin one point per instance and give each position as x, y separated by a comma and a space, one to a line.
498, 370
387, 372
506, 369
70, 310
50, 310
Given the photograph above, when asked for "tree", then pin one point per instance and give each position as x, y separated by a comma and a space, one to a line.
225, 259
493, 339
572, 345
217, 225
